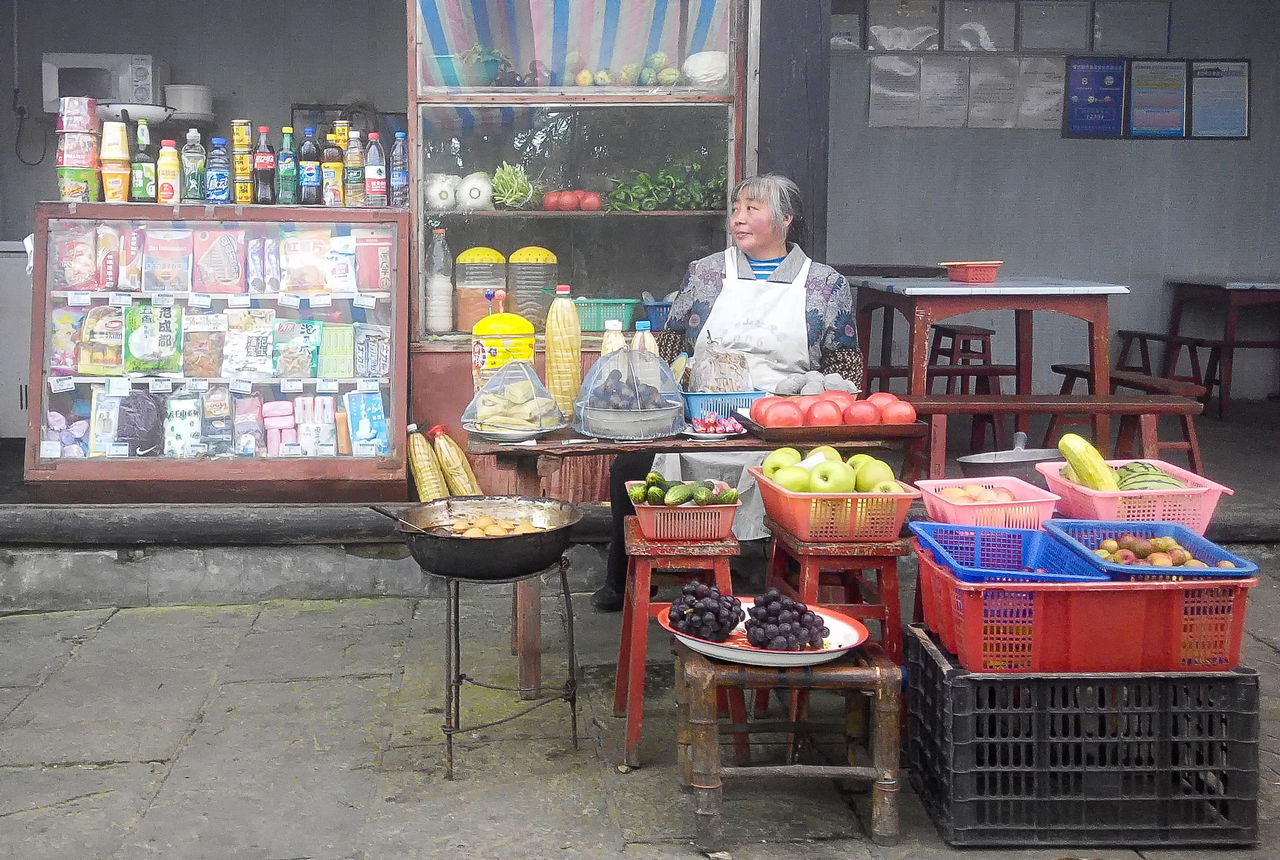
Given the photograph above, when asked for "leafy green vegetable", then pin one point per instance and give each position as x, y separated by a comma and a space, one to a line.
680, 186
511, 186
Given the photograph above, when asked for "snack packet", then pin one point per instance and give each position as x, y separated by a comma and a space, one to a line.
140, 423
372, 350
73, 256
108, 255
129, 269
719, 370
182, 425
219, 261
153, 339
203, 336
297, 343
217, 428
303, 261
341, 261
64, 336
104, 418
166, 261
101, 342
250, 434
247, 351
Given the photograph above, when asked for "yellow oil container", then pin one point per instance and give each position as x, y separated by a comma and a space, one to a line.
497, 339
531, 281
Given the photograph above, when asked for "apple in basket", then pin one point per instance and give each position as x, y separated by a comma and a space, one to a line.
832, 476
779, 459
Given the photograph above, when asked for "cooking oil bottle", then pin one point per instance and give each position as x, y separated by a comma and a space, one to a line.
564, 351
497, 339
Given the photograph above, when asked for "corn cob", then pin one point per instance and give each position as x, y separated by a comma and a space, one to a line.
453, 463
1090, 469
427, 477
564, 351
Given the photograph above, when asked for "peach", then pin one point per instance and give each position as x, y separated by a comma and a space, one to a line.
1142, 547
1160, 559
1125, 556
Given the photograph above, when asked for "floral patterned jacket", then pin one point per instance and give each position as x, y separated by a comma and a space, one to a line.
833, 336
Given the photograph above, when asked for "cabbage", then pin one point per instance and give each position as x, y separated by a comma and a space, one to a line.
439, 192
474, 191
706, 68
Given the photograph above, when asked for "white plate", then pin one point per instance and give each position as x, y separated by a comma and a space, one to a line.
151, 113
845, 634
694, 434
508, 435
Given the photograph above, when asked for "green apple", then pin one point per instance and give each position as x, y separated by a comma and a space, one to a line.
887, 487
777, 459
872, 472
857, 460
826, 451
833, 476
792, 478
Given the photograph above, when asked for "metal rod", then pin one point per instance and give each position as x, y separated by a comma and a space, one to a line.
815, 770
451, 594
571, 686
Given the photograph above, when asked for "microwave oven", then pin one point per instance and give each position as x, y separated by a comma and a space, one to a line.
129, 78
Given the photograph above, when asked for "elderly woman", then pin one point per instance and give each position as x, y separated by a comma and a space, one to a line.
763, 298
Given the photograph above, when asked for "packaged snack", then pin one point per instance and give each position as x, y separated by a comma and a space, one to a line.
182, 425
64, 337
314, 420
101, 342
132, 239
297, 344
153, 339
271, 264
367, 421
373, 261
104, 418
73, 258
68, 432
140, 423
247, 351
250, 435
341, 261
108, 255
219, 261
719, 370
217, 429
203, 336
303, 264
372, 350
166, 261
216, 402
337, 352
257, 275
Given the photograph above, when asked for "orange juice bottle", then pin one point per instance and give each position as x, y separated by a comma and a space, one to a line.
564, 351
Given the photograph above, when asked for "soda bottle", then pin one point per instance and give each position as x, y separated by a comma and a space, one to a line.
331, 171
309, 192
353, 171
375, 172
193, 167
398, 189
168, 173
286, 169
217, 172
142, 170
264, 169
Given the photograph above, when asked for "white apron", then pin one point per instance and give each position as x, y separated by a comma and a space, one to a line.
765, 321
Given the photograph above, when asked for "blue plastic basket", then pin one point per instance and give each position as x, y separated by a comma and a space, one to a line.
658, 313
1080, 535
722, 404
983, 554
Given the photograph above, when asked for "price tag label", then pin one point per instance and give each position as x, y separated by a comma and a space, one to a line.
162, 300
241, 386
79, 300
291, 386
197, 385
290, 300
367, 385
290, 449
368, 302
325, 449
197, 449
364, 449
199, 300
50, 449
320, 300
237, 301
118, 386
60, 384
160, 386
118, 449
121, 300
327, 386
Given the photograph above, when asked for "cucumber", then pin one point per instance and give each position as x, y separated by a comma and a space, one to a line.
637, 493
653, 479
702, 495
710, 485
655, 495
678, 495
728, 497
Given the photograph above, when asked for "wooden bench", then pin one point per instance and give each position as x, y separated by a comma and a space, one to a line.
1139, 418
1206, 375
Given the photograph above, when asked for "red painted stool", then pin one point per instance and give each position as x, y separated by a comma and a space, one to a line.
709, 562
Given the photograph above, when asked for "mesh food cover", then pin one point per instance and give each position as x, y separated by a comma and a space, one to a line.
513, 400
629, 394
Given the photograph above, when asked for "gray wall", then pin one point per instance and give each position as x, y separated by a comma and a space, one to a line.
1129, 212
259, 56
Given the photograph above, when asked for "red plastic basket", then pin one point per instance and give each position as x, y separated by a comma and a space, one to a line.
975, 272
688, 521
831, 517
1192, 506
1187, 626
1031, 505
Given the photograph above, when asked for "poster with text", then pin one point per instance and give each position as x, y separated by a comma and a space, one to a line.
1157, 98
1094, 101
1220, 99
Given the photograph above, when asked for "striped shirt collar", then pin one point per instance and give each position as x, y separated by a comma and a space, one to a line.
788, 270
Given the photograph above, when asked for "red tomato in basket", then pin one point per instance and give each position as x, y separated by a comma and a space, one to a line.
759, 406
843, 399
898, 412
783, 414
590, 201
551, 200
822, 413
881, 399
861, 412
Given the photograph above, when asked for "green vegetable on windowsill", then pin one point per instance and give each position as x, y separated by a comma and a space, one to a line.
683, 186
511, 186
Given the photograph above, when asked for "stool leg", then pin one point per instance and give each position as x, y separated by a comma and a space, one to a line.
683, 738
885, 752
722, 576
810, 576
887, 576
1193, 451
1055, 423
704, 752
955, 381
638, 608
1125, 436
1149, 434
623, 672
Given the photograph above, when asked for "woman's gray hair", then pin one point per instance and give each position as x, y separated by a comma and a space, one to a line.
776, 191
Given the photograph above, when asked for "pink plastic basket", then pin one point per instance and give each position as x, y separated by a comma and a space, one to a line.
1192, 506
687, 521
976, 272
1031, 505
832, 517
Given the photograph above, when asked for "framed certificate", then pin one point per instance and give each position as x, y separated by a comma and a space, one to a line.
1061, 26
1131, 27
903, 25
1157, 98
1220, 99
980, 25
1093, 104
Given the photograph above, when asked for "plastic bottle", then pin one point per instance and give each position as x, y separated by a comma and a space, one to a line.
353, 171
142, 169
168, 173
613, 339
435, 300
643, 338
264, 169
375, 172
309, 189
217, 172
193, 167
496, 340
331, 172
564, 351
453, 463
286, 169
398, 188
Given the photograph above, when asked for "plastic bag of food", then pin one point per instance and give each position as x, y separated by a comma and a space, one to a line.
140, 423
513, 400
153, 339
297, 343
629, 394
718, 370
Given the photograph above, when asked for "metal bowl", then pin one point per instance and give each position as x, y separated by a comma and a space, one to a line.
488, 558
1018, 462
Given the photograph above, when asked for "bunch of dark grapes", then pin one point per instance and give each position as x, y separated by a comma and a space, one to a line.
702, 611
779, 623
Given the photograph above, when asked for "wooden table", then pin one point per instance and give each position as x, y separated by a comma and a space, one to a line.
1231, 296
534, 461
925, 301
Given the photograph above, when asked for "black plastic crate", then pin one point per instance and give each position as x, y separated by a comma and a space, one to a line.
1148, 759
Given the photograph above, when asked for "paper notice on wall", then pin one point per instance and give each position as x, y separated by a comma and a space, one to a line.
1041, 82
993, 92
944, 91
1055, 25
895, 92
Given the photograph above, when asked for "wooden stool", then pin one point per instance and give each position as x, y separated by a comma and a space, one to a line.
960, 344
709, 561
865, 672
1205, 374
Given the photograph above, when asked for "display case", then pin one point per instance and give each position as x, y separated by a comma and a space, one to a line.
206, 353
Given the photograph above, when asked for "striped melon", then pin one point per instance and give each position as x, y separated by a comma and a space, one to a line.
1144, 476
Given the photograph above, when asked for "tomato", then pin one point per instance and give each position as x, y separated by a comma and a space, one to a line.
898, 412
822, 413
551, 200
590, 201
804, 401
783, 414
881, 399
568, 201
758, 407
579, 193
861, 412
843, 399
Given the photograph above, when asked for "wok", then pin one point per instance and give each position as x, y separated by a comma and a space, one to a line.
1018, 462
487, 559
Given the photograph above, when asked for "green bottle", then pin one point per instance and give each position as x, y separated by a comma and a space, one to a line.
142, 170
287, 170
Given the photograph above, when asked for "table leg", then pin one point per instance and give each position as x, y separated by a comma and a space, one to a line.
1175, 328
918, 350
1100, 365
886, 343
704, 755
1227, 358
1024, 344
528, 600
